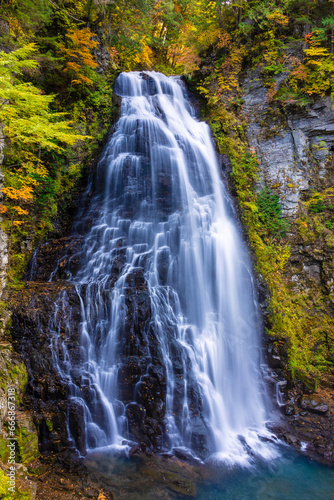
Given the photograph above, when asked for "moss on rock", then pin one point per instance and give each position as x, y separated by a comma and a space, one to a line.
24, 490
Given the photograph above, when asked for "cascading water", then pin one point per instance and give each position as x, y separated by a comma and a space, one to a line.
162, 223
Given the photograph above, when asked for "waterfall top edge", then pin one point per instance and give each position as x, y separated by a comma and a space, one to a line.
144, 83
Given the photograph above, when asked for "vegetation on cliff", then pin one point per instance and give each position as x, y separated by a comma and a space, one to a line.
58, 63
289, 46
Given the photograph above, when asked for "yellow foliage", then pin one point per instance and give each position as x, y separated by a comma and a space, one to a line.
78, 54
24, 193
278, 17
208, 37
228, 74
144, 58
82, 79
315, 75
15, 27
20, 210
102, 496
33, 166
72, 66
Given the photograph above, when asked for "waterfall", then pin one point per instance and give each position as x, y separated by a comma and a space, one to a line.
170, 331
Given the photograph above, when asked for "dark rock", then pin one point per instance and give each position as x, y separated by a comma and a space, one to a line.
59, 258
288, 410
135, 450
135, 413
273, 358
185, 455
77, 426
245, 445
200, 438
292, 439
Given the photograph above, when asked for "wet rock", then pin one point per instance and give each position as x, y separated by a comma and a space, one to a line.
59, 258
128, 376
159, 372
186, 455
152, 396
77, 425
135, 413
289, 410
292, 439
314, 405
163, 264
200, 437
312, 425
134, 450
273, 358
33, 327
246, 446
182, 454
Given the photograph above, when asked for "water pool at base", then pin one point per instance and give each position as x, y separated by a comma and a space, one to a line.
289, 477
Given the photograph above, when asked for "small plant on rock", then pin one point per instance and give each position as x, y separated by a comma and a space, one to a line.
270, 213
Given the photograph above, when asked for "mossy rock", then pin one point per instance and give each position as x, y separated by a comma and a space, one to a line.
24, 490
4, 451
27, 439
309, 379
12, 371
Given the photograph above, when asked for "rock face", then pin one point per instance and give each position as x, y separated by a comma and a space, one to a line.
308, 421
46, 332
293, 147
40, 319
13, 376
295, 151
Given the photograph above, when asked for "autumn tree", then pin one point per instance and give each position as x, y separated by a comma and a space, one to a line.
77, 54
32, 130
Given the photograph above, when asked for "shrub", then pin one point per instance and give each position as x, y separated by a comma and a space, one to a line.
270, 213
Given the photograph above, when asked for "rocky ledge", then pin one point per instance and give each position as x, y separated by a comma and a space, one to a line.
308, 423
110, 478
304, 414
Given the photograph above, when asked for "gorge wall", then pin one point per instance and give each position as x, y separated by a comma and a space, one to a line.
294, 147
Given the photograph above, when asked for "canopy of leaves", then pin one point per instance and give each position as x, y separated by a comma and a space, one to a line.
30, 127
